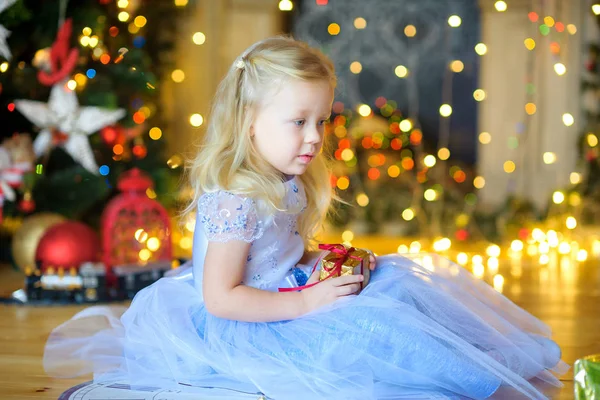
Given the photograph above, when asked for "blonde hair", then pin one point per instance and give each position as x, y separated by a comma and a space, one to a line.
227, 158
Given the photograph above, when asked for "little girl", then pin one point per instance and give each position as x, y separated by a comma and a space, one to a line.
262, 192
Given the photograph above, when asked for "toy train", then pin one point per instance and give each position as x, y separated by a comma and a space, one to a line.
89, 283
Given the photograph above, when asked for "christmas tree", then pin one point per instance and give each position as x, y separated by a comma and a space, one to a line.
81, 79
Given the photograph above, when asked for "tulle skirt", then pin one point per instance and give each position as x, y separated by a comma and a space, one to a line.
418, 330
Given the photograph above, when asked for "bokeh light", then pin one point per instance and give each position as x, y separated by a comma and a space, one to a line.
333, 29
196, 120
401, 71
500, 6
445, 110
457, 66
410, 31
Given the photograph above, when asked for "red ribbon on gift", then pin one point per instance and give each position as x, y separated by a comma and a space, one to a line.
343, 255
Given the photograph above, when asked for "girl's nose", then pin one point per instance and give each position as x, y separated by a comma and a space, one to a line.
313, 136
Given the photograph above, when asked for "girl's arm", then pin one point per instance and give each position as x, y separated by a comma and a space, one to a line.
225, 295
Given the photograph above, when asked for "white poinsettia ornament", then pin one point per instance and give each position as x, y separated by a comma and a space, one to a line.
5, 33
64, 123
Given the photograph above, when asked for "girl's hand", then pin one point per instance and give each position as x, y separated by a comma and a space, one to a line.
314, 277
329, 290
372, 261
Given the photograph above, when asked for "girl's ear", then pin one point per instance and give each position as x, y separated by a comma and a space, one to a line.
251, 131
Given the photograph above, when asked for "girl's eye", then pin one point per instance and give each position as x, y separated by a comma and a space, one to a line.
323, 122
299, 122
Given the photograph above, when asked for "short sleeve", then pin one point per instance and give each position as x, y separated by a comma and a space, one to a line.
225, 216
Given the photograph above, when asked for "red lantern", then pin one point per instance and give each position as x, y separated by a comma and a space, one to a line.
135, 228
68, 244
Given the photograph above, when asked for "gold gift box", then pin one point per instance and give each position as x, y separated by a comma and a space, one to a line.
356, 262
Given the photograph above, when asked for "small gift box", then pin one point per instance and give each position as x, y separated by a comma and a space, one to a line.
587, 378
344, 260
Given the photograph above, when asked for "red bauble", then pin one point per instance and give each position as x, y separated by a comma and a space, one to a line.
68, 244
27, 205
113, 134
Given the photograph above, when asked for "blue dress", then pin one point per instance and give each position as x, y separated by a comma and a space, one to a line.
422, 328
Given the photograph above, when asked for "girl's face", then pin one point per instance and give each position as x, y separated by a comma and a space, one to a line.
288, 128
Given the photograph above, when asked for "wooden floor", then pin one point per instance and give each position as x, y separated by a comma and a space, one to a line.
567, 297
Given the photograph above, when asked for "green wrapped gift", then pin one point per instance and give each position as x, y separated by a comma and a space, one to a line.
587, 378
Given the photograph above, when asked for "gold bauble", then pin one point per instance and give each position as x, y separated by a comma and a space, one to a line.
27, 237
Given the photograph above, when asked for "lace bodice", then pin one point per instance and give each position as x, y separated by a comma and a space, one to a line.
276, 245
225, 216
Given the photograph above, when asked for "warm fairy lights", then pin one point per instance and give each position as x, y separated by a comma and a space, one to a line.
196, 120
286, 5
544, 245
500, 6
